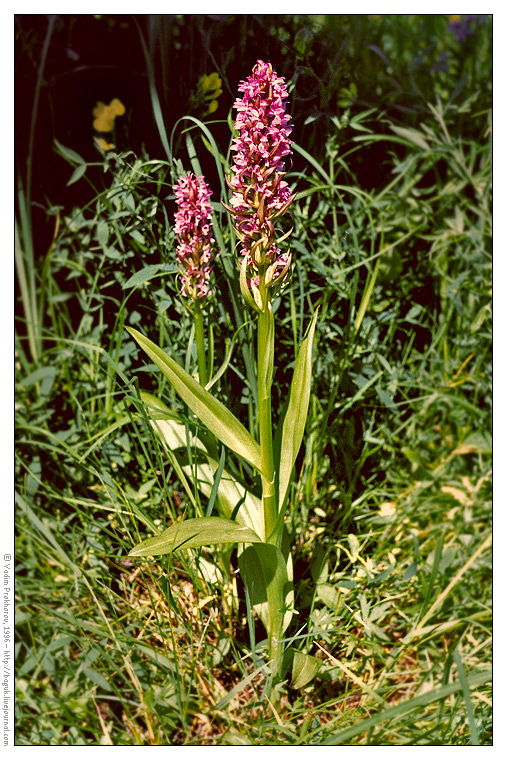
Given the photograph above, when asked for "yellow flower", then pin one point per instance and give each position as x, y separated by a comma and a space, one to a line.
105, 115
210, 83
103, 144
210, 88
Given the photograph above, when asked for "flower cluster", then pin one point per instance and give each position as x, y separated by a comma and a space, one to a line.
260, 194
193, 232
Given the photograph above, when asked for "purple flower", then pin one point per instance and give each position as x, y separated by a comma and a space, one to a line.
193, 232
461, 26
260, 195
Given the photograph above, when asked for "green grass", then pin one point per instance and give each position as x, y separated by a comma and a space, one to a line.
390, 506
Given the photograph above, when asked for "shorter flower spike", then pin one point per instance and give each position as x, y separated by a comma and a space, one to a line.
193, 232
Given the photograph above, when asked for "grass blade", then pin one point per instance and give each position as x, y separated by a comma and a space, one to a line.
468, 701
477, 679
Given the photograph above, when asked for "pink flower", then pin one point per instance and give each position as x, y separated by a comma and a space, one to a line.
193, 232
260, 195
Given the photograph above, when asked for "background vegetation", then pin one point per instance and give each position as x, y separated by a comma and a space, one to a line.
390, 505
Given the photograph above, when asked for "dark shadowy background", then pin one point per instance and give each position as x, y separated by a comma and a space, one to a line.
332, 62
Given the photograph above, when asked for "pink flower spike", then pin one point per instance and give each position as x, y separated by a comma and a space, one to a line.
193, 232
259, 193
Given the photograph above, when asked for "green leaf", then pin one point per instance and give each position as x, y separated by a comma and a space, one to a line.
69, 154
475, 443
231, 494
193, 533
294, 420
44, 375
235, 739
138, 236
147, 273
212, 413
329, 595
173, 433
233, 498
354, 546
304, 669
102, 233
386, 399
412, 135
78, 172
268, 577
98, 679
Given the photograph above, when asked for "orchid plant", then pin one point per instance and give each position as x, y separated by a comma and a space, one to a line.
260, 197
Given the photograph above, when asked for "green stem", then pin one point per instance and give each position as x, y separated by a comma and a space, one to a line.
276, 652
199, 339
273, 531
265, 354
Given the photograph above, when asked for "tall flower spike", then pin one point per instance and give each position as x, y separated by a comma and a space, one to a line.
193, 232
260, 195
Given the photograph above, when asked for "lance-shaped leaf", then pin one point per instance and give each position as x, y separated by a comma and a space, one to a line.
212, 413
171, 431
294, 421
190, 534
233, 498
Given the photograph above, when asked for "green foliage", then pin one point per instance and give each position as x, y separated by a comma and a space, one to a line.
192, 534
387, 506
294, 421
217, 418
